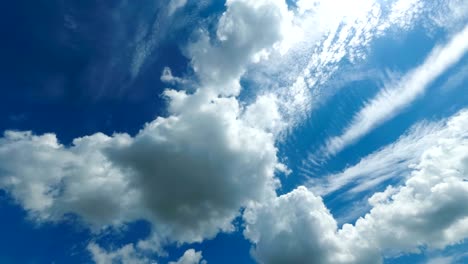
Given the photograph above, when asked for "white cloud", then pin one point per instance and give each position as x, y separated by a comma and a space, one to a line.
190, 257
402, 13
174, 5
325, 34
37, 170
456, 80
168, 78
451, 15
393, 99
298, 228
389, 162
177, 161
441, 260
127, 254
428, 208
189, 173
329, 34
450, 258
220, 66
426, 211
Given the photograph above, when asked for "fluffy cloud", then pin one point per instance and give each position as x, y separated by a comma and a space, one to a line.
189, 173
293, 228
127, 254
298, 228
427, 210
238, 42
190, 257
196, 170
51, 180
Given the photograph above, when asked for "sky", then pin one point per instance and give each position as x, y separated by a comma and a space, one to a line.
237, 131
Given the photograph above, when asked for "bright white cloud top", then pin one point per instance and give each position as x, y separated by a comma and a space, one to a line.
214, 158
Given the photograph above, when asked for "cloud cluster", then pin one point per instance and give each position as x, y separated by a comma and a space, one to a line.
424, 212
189, 173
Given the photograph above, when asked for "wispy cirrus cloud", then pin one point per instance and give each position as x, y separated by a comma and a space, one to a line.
394, 98
389, 162
327, 33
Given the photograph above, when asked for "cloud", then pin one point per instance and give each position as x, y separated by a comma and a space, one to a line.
393, 99
239, 43
168, 78
326, 35
188, 173
127, 254
426, 211
174, 5
389, 162
50, 180
441, 260
215, 148
190, 257
458, 10
298, 228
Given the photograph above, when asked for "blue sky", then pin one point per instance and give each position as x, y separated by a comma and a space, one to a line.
270, 131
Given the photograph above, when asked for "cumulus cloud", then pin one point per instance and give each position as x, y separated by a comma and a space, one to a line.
50, 180
298, 228
176, 162
426, 211
127, 254
189, 173
190, 257
165, 174
238, 42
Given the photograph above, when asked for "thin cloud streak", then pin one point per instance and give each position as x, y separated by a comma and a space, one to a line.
390, 101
